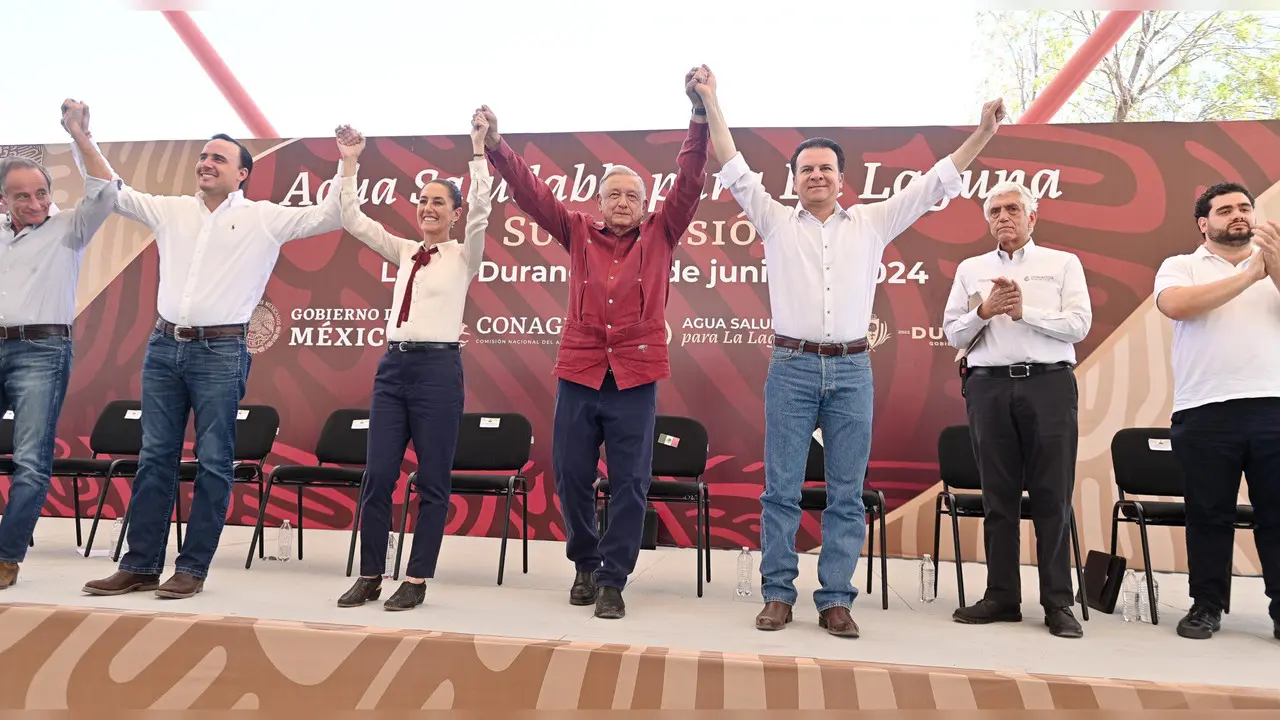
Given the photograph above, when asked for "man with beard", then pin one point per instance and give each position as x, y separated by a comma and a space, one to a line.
1016, 313
1226, 398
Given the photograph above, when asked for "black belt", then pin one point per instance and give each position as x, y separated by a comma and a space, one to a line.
411, 346
849, 348
186, 333
1018, 371
34, 332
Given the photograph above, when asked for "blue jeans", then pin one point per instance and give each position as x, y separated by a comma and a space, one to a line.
179, 377
623, 421
33, 383
804, 391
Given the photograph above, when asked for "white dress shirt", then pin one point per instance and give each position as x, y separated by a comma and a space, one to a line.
439, 287
1230, 352
1056, 312
40, 265
822, 275
214, 266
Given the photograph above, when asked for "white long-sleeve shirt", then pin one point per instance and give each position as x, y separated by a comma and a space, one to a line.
1056, 312
40, 265
440, 286
822, 275
214, 266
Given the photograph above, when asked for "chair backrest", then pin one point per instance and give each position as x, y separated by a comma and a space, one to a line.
118, 430
679, 447
256, 428
815, 468
344, 439
6, 433
493, 442
1144, 464
957, 464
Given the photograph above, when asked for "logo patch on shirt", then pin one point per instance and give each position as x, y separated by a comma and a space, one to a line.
1040, 278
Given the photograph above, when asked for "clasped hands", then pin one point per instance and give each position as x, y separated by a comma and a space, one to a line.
1267, 237
1005, 299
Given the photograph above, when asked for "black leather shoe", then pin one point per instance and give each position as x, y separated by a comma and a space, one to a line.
409, 596
1200, 623
1062, 623
583, 591
987, 611
609, 605
365, 590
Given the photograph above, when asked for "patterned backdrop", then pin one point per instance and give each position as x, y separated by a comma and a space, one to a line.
1119, 196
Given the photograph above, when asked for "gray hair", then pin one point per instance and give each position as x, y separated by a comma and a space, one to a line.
1025, 196
14, 162
621, 170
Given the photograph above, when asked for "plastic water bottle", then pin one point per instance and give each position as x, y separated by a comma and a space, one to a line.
1129, 596
391, 555
117, 527
284, 541
1145, 601
744, 573
927, 575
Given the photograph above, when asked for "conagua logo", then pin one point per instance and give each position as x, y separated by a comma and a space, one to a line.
462, 338
264, 328
877, 333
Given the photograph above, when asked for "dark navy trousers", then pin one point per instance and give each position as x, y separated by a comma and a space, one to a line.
621, 420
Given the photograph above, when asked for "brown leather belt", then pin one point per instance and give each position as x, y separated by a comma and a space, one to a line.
184, 333
849, 348
34, 332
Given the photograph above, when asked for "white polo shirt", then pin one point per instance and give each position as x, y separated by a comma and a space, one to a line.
1230, 352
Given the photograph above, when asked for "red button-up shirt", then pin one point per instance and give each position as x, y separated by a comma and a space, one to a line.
618, 285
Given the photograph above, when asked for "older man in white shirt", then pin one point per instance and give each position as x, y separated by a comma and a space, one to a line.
822, 276
1224, 300
217, 250
40, 253
1016, 313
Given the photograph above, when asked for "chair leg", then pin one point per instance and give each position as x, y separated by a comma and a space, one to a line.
706, 528
937, 540
1146, 564
1115, 526
75, 504
871, 547
97, 515
698, 542
257, 538
299, 522
262, 540
884, 557
1075, 546
355, 525
506, 530
955, 538
404, 523
524, 526
177, 512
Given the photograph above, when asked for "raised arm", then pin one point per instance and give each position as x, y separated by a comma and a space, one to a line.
479, 197
361, 226
294, 223
1072, 322
530, 193
144, 208
100, 191
761, 209
1179, 298
691, 165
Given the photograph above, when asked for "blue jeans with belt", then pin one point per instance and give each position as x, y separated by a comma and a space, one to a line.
417, 395
804, 391
33, 384
207, 378
623, 421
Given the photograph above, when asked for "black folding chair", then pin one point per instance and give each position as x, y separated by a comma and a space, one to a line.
256, 427
680, 450
958, 467
814, 499
489, 459
118, 433
343, 441
1144, 464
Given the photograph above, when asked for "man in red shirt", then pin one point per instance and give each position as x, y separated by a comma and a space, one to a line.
613, 349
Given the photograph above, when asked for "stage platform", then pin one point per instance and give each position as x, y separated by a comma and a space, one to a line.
273, 638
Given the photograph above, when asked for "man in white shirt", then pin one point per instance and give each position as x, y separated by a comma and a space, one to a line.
822, 268
1018, 311
1224, 300
217, 250
40, 253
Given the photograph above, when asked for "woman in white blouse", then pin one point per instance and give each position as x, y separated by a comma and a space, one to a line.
417, 393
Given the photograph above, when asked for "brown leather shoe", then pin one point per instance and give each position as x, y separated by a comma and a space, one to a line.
837, 621
181, 585
8, 574
122, 582
773, 616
